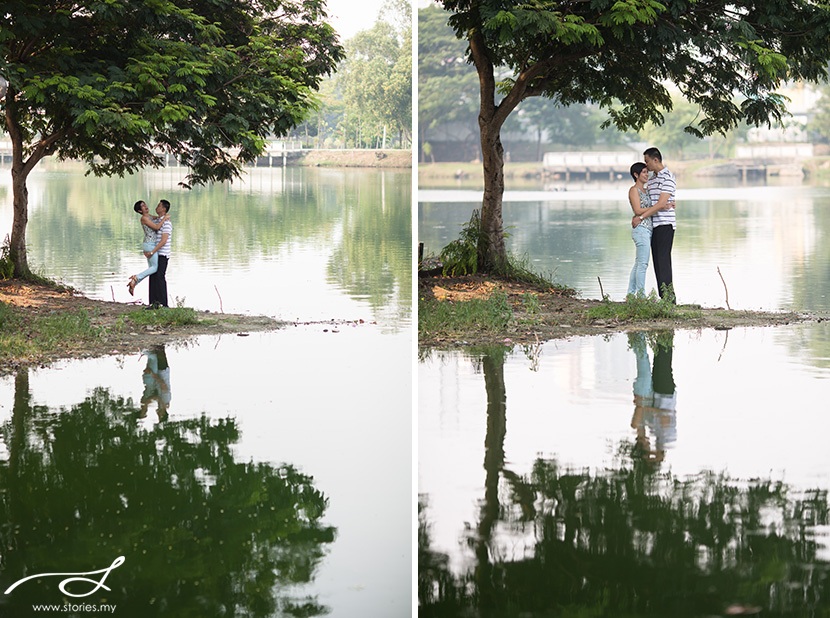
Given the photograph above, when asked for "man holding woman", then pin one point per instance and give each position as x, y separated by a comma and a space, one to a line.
158, 234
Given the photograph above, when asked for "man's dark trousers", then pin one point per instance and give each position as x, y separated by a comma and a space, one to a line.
662, 238
158, 284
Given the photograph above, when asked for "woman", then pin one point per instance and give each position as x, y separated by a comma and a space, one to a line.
640, 203
150, 225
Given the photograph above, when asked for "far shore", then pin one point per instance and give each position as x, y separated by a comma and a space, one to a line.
471, 173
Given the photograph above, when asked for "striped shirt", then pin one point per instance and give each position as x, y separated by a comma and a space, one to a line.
662, 182
166, 228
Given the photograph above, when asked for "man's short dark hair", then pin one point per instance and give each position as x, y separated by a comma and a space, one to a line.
166, 205
636, 169
137, 205
653, 153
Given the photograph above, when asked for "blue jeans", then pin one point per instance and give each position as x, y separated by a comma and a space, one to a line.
152, 262
642, 240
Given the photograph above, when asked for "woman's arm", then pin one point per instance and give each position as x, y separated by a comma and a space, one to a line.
146, 220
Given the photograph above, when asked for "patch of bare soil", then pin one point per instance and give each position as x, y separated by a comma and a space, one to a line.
561, 316
34, 300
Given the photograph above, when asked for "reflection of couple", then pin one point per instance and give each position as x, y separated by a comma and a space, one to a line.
654, 222
158, 234
655, 398
156, 378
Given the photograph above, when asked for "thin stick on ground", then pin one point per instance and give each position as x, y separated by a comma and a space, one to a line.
725, 289
601, 291
221, 310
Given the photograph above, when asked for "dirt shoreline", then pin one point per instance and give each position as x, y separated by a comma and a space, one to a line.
561, 317
34, 300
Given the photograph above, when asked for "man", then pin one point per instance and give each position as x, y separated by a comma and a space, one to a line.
158, 281
661, 189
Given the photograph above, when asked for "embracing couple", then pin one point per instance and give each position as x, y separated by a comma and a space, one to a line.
654, 222
158, 236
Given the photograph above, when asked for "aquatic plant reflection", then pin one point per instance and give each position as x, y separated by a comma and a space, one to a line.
203, 534
631, 540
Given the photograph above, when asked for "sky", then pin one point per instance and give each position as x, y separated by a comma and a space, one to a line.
351, 16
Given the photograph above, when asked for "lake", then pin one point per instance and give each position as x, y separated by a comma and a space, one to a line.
264, 475
674, 473
766, 240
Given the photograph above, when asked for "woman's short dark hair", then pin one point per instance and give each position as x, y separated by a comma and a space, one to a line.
137, 205
637, 168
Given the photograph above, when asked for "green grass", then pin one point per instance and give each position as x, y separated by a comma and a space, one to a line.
164, 316
437, 318
20, 336
649, 307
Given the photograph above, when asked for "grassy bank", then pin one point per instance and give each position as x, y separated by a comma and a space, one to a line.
355, 158
482, 310
25, 334
42, 323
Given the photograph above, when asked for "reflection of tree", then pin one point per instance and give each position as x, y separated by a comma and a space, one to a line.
629, 541
202, 533
374, 260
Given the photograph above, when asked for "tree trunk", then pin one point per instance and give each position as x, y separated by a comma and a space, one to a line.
492, 254
17, 242
494, 384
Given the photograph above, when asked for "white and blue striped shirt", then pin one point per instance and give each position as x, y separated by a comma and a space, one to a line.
166, 228
662, 182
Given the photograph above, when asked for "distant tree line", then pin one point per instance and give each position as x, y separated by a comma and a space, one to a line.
368, 102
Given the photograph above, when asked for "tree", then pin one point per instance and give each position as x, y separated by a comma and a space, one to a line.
447, 87
118, 83
621, 54
576, 125
819, 123
377, 76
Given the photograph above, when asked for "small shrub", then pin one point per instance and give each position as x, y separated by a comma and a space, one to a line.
460, 257
531, 303
6, 264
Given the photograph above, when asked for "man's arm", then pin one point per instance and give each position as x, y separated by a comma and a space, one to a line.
662, 204
162, 242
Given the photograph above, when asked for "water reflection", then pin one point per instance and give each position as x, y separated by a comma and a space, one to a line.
629, 537
655, 398
634, 542
202, 533
156, 379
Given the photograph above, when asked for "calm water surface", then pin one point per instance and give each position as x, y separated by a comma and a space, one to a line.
655, 474
265, 475
767, 241
670, 474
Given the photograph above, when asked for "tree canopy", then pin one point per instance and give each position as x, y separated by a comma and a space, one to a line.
727, 58
370, 97
119, 83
